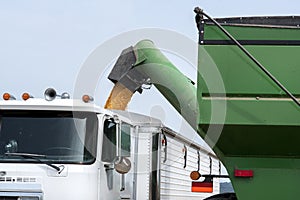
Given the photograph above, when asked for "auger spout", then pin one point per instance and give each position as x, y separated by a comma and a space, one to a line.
145, 64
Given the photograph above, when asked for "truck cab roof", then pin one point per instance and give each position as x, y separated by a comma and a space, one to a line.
57, 104
78, 105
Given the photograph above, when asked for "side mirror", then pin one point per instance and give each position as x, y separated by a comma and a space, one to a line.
122, 165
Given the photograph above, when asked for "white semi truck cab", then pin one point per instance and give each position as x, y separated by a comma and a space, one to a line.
69, 149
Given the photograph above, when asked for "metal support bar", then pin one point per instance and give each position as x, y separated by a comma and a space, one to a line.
215, 176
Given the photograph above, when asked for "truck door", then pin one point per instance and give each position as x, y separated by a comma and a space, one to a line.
117, 173
125, 160
109, 181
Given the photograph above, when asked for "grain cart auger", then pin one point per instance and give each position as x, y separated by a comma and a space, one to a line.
144, 64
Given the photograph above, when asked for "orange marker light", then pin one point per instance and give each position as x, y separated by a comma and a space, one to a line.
195, 175
7, 96
26, 96
87, 98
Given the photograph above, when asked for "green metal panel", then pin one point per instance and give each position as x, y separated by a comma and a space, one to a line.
251, 111
261, 125
258, 141
211, 32
242, 77
274, 178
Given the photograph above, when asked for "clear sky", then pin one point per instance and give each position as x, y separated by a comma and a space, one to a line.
45, 43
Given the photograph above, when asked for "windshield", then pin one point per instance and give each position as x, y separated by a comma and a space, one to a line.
60, 136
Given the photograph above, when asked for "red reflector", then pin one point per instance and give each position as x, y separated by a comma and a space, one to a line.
243, 173
202, 187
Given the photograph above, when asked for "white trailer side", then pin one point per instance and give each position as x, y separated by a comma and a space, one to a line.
163, 161
179, 157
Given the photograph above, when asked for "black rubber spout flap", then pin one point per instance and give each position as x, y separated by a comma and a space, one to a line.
125, 73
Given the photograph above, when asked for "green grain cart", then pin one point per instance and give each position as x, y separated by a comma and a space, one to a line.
245, 105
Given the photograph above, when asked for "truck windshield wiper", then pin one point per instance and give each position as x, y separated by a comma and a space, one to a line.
34, 157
